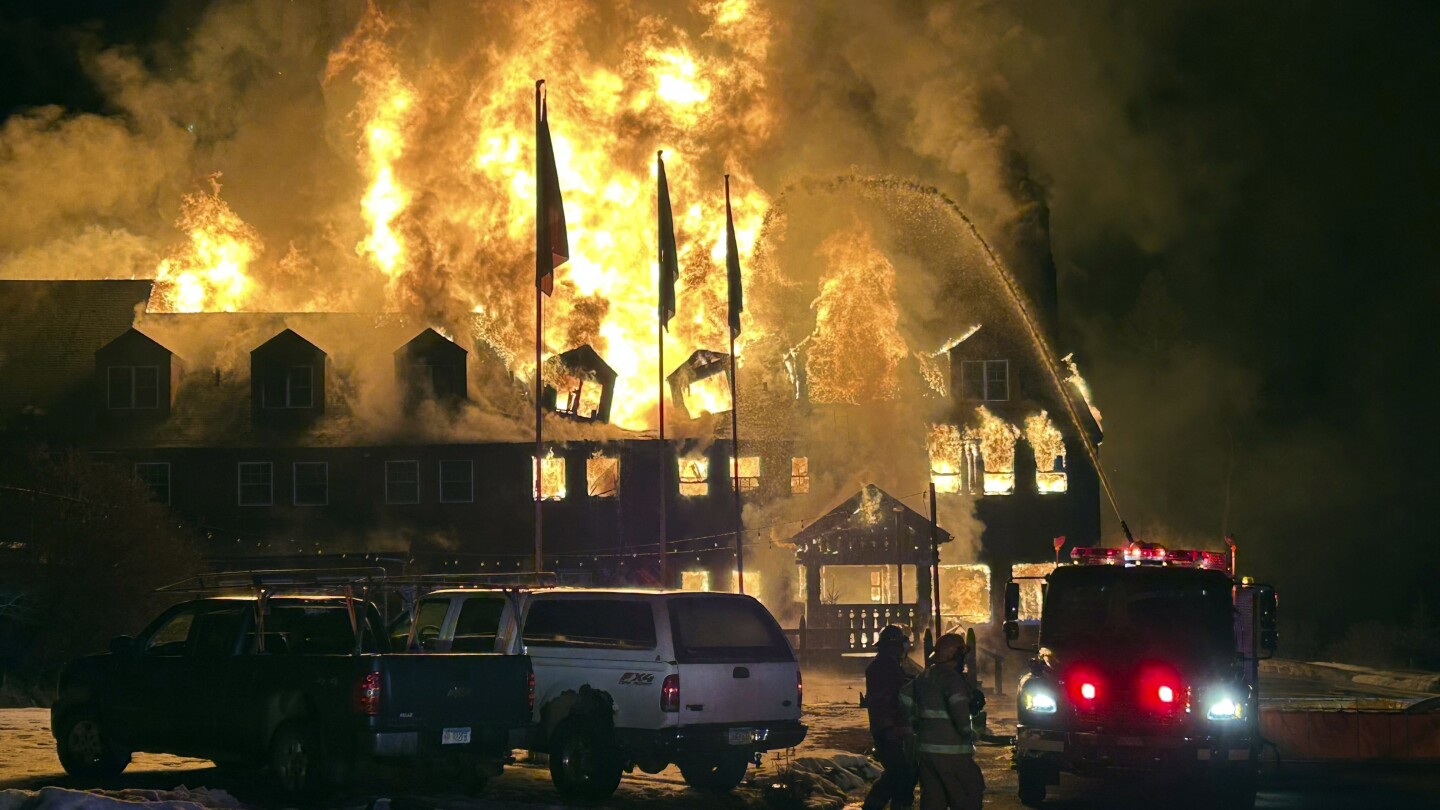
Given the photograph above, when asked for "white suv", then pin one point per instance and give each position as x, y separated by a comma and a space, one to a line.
635, 679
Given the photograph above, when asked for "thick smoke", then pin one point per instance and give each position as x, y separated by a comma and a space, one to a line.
1163, 160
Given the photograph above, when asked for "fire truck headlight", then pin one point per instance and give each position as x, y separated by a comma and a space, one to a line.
1039, 701
1224, 707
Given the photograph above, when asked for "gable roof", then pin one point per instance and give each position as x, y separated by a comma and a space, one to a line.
287, 341
132, 336
861, 524
430, 342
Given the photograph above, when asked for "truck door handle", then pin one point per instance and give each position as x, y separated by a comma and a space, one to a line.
696, 707
742, 672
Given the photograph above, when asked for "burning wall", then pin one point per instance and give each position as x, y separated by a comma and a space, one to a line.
402, 184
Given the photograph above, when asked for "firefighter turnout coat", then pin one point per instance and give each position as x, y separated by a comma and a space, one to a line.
938, 701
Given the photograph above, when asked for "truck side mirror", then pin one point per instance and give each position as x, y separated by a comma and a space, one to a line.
122, 646
1012, 602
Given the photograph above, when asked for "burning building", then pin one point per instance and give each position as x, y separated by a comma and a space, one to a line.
366, 391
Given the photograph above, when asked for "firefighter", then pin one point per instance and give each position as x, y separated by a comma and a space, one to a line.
889, 724
939, 703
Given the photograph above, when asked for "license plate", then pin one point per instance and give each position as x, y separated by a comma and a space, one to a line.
742, 736
1131, 742
455, 736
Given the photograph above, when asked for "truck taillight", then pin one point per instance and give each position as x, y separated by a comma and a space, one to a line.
1165, 694
670, 694
799, 690
366, 697
1089, 691
530, 694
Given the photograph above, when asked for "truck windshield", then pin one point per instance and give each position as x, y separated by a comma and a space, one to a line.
1145, 606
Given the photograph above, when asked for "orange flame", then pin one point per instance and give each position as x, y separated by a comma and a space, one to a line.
996, 438
1049, 447
210, 272
856, 349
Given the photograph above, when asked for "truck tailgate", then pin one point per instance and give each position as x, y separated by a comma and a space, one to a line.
479, 697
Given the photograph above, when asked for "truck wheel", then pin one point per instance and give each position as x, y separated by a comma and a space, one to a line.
583, 761
86, 748
1032, 784
721, 773
296, 763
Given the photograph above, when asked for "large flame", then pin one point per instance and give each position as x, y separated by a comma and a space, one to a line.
448, 154
1049, 448
210, 271
856, 349
996, 438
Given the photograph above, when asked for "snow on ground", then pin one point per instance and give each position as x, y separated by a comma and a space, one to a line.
31, 777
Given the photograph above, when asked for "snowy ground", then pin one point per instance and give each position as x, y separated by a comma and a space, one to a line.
837, 729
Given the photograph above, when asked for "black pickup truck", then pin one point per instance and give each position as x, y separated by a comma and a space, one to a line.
305, 686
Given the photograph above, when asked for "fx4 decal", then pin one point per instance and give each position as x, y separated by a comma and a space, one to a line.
637, 679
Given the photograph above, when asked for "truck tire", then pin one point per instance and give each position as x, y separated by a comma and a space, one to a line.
86, 748
297, 765
1032, 784
720, 773
584, 762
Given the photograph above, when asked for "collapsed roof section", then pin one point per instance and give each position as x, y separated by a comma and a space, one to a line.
702, 385
579, 385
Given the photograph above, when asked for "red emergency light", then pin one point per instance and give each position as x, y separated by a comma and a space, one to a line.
1150, 554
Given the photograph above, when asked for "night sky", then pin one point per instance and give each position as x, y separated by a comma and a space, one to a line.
1252, 300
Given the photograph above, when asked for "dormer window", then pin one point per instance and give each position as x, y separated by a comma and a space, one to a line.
985, 380
431, 366
291, 387
133, 387
287, 380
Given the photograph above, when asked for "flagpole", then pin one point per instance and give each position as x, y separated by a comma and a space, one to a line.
735, 442
660, 388
664, 456
542, 246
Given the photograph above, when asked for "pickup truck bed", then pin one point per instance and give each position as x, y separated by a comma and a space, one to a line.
302, 697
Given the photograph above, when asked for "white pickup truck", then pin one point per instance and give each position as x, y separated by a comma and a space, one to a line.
634, 679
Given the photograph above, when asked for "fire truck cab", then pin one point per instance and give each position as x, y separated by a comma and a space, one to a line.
1147, 659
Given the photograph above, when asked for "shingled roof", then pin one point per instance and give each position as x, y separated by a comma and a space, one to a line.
49, 331
862, 528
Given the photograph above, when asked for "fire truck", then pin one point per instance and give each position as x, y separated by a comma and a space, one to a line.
1147, 660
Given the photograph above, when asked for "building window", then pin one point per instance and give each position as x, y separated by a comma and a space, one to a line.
698, 580
402, 482
551, 474
694, 476
439, 381
457, 481
312, 483
155, 476
602, 476
294, 387
133, 387
257, 479
985, 380
1032, 588
964, 595
748, 473
861, 584
799, 475
1049, 447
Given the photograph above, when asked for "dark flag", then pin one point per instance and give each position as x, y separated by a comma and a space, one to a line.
552, 244
732, 266
669, 261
